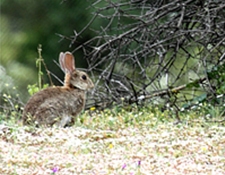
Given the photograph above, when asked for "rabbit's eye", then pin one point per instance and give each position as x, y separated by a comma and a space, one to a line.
84, 77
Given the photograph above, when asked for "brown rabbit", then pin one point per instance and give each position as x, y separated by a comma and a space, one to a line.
61, 104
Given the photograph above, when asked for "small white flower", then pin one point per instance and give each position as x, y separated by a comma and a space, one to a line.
141, 97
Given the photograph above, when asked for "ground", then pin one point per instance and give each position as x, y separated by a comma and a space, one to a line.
115, 146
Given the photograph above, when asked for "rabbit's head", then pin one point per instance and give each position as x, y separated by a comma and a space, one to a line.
73, 77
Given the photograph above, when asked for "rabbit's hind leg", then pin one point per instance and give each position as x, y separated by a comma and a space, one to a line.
64, 121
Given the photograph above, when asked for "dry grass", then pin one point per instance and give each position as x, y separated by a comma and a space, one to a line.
114, 143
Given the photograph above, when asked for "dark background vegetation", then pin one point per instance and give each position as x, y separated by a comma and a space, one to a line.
167, 53
26, 24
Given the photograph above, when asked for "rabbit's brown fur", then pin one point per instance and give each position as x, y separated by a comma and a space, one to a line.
59, 105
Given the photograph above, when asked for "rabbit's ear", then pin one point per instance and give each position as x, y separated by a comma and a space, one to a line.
61, 62
68, 62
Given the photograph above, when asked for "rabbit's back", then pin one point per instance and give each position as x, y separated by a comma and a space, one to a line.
54, 105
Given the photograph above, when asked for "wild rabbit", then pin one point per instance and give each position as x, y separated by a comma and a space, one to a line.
61, 104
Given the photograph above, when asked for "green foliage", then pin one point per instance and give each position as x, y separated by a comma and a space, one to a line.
119, 117
32, 89
41, 20
11, 102
25, 24
10, 107
12, 72
215, 78
217, 75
